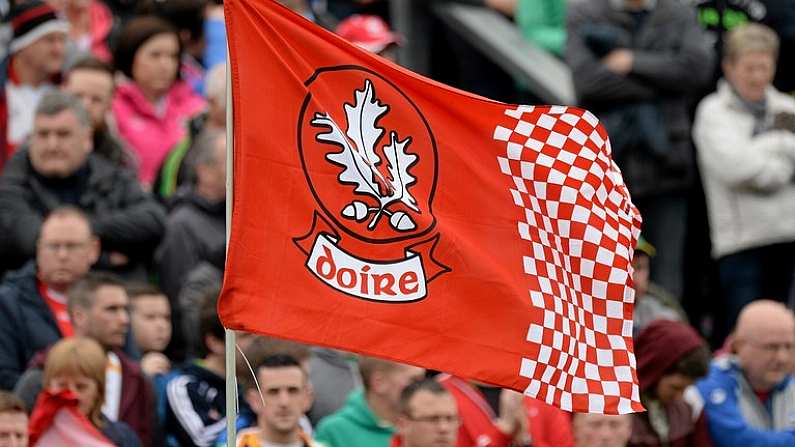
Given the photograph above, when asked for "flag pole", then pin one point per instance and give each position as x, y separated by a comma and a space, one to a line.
230, 343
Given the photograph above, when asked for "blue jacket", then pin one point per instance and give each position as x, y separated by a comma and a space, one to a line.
735, 415
26, 324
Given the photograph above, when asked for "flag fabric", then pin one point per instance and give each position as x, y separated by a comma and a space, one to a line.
57, 421
384, 213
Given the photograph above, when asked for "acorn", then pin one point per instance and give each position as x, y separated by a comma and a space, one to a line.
356, 210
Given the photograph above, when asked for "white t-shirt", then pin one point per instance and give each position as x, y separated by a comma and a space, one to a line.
112, 388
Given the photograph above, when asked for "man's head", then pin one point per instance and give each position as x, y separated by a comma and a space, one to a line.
91, 80
601, 430
671, 357
61, 138
285, 397
66, 248
384, 380
764, 341
13, 421
98, 306
211, 331
260, 347
428, 415
211, 166
215, 88
150, 317
39, 37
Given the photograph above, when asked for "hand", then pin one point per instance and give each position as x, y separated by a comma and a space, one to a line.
512, 413
154, 363
507, 7
619, 61
117, 259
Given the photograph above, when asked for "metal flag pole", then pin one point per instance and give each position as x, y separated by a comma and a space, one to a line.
230, 342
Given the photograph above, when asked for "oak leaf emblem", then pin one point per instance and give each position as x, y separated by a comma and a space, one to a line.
361, 161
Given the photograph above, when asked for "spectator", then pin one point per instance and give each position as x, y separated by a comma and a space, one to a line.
371, 33
90, 26
543, 23
749, 395
37, 53
179, 166
197, 223
369, 415
601, 430
637, 64
78, 365
334, 375
745, 135
428, 416
152, 105
188, 17
490, 417
208, 274
98, 306
91, 80
59, 169
549, 426
258, 348
150, 321
13, 421
652, 302
196, 396
671, 356
33, 308
280, 403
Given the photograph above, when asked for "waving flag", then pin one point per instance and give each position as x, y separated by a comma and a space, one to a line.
57, 421
380, 212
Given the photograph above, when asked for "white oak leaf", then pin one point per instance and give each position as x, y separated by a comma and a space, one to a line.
362, 117
398, 163
357, 170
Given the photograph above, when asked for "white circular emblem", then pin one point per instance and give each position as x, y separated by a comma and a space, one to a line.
717, 396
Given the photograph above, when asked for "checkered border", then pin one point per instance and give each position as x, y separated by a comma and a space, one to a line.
580, 227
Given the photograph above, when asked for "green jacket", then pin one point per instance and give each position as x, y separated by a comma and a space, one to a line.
543, 22
354, 425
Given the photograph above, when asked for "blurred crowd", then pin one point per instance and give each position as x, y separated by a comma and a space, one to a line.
112, 230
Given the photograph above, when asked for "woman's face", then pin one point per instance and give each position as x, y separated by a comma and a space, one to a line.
156, 63
751, 73
85, 388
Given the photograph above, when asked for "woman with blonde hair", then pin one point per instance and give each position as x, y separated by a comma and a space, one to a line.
74, 380
745, 139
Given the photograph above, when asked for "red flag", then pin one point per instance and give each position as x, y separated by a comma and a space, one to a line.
56, 421
384, 213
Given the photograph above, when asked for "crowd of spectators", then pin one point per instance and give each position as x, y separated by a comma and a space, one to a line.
112, 232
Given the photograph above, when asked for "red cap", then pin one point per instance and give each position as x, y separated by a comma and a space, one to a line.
368, 31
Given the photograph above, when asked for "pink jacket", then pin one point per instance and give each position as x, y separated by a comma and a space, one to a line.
150, 134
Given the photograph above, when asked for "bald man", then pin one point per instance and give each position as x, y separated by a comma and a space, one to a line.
749, 395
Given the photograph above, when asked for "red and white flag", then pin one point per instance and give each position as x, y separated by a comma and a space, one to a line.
56, 421
380, 212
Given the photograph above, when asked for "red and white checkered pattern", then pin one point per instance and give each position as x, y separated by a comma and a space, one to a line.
580, 229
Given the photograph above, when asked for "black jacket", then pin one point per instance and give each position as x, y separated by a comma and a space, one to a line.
196, 407
125, 218
26, 324
673, 60
194, 229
